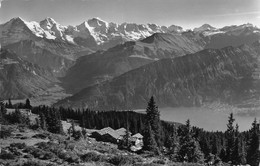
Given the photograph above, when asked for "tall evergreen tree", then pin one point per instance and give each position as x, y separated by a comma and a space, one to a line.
230, 133
27, 104
253, 154
189, 147
9, 105
172, 142
149, 141
153, 118
43, 123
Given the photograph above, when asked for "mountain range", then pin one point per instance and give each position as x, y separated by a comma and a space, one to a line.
86, 59
225, 74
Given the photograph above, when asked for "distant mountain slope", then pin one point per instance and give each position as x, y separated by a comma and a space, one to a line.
104, 65
189, 80
93, 33
51, 55
230, 36
119, 59
22, 79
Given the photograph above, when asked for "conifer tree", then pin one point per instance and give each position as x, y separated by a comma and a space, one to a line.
149, 141
2, 113
153, 118
173, 145
253, 154
27, 104
189, 147
9, 105
43, 123
230, 138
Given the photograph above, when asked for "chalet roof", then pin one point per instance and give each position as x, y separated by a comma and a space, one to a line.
138, 135
106, 130
121, 131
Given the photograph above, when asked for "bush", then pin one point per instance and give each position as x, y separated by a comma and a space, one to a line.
121, 160
49, 156
69, 157
28, 156
51, 147
33, 163
37, 153
29, 149
7, 156
92, 156
5, 132
14, 151
40, 136
159, 161
18, 145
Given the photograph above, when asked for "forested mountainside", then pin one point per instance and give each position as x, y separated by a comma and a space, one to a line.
226, 74
20, 78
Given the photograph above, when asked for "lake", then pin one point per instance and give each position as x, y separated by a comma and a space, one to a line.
209, 119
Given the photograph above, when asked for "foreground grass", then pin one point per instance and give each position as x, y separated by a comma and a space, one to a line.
25, 147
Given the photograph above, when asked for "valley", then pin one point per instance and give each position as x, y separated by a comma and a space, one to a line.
104, 65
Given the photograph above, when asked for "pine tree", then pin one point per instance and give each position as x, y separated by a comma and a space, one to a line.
2, 113
172, 142
126, 143
216, 146
153, 118
27, 104
189, 147
230, 138
223, 155
43, 123
253, 154
9, 105
149, 141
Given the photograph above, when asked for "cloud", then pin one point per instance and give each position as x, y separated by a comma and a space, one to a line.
0, 3
237, 14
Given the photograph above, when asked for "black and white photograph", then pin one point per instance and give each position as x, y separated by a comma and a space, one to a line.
129, 82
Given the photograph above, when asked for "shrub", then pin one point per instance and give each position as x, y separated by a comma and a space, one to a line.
5, 132
28, 156
92, 156
159, 161
33, 163
18, 145
51, 147
69, 157
48, 156
37, 153
40, 136
121, 160
7, 156
14, 151
29, 149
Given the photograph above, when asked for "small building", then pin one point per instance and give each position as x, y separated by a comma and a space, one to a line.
137, 137
26, 112
137, 142
108, 135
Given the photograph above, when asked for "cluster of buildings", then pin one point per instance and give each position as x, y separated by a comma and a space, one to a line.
115, 136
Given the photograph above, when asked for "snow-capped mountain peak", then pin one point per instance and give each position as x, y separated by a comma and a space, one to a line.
174, 28
48, 23
204, 27
97, 22
96, 32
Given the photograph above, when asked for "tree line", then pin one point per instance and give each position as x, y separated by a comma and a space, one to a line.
182, 143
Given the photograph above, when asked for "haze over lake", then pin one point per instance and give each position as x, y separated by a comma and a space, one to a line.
206, 118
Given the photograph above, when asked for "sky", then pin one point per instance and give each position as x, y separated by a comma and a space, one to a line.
185, 13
